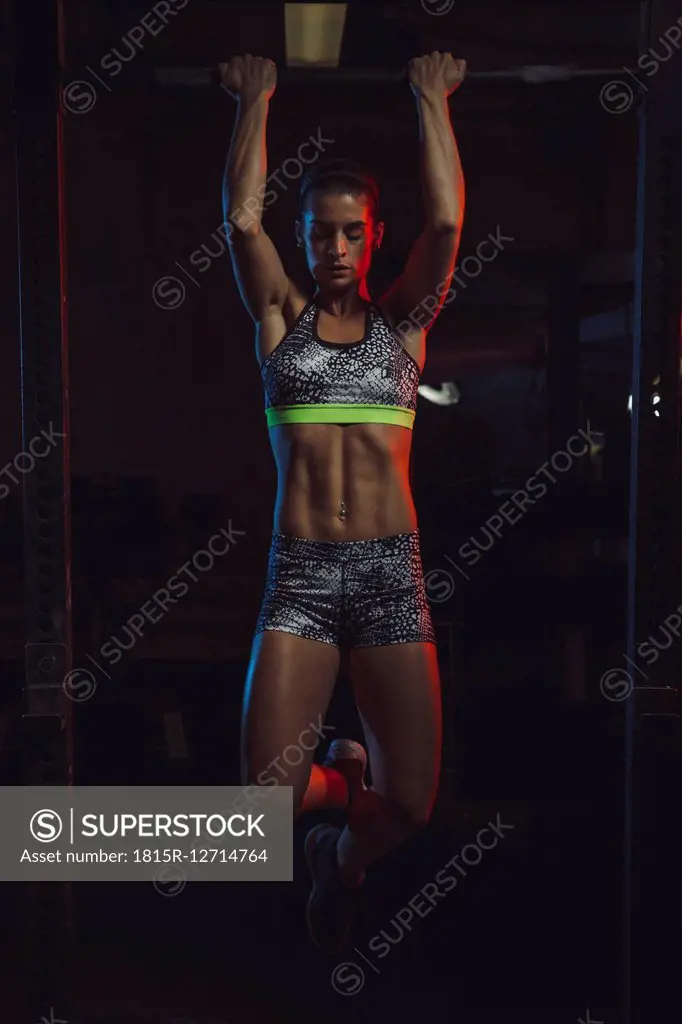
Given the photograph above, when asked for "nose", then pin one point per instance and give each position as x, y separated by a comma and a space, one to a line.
337, 248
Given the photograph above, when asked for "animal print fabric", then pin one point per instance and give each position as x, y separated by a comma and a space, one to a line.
358, 593
305, 370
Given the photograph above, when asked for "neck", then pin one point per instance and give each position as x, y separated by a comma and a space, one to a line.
343, 304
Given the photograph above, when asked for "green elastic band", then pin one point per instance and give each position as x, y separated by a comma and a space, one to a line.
346, 413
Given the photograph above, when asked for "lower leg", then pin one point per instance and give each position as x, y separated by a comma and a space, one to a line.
327, 790
335, 784
375, 827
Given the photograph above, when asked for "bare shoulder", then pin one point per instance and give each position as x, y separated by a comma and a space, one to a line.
274, 327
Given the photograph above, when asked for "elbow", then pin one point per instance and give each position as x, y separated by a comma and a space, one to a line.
239, 221
445, 227
245, 217
448, 219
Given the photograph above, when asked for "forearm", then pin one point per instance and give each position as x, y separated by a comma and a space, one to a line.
246, 167
441, 168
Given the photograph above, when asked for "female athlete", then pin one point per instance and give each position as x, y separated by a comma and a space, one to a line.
340, 374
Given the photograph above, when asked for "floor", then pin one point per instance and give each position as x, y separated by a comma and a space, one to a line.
530, 932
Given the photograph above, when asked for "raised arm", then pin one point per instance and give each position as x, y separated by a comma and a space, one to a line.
416, 297
263, 284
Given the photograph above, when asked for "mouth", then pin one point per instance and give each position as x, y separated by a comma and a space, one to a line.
338, 270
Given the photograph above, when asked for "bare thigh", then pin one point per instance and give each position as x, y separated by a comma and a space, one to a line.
397, 691
288, 688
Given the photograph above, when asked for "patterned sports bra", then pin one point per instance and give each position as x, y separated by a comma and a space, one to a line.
308, 380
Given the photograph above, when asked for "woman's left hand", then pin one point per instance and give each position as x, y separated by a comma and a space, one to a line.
436, 74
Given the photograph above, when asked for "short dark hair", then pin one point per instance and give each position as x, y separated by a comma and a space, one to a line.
340, 176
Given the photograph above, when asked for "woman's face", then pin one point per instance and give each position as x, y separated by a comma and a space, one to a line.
339, 234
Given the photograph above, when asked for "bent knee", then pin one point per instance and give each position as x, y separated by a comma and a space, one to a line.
416, 814
415, 802
412, 812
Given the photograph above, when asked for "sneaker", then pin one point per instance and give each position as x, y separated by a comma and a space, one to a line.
332, 905
350, 760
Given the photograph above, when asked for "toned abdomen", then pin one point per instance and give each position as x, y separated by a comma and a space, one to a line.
363, 466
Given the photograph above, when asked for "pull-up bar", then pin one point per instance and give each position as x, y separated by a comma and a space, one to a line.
531, 74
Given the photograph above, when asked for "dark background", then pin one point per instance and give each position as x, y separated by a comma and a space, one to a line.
169, 444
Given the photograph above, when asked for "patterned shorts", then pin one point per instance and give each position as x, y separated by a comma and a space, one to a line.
356, 593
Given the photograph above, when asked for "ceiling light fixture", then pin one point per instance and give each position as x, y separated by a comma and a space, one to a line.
314, 33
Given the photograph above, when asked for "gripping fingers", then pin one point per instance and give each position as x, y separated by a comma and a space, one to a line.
249, 76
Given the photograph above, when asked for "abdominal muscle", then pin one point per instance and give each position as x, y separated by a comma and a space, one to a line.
365, 466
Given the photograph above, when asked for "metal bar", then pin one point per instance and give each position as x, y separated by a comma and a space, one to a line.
182, 76
47, 720
652, 842
532, 73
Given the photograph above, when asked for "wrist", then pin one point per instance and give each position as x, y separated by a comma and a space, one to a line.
432, 97
254, 98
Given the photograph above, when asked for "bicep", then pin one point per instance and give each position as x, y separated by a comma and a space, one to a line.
417, 295
263, 284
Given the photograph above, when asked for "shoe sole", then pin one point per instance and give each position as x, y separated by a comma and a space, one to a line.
308, 851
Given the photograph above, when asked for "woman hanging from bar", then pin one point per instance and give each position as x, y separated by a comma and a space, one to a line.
340, 374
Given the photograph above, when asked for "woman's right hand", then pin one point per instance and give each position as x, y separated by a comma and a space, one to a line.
249, 77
